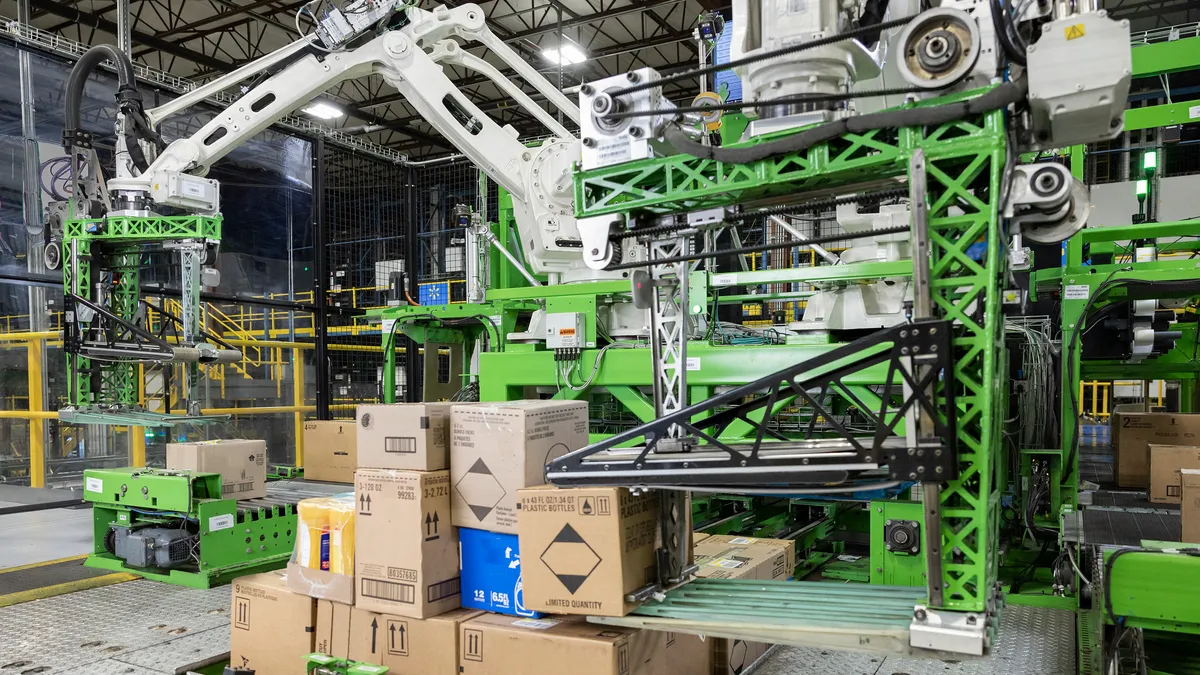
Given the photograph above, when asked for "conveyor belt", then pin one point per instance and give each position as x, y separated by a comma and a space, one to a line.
1118, 526
858, 617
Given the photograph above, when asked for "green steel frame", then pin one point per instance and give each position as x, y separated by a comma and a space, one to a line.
112, 246
1083, 278
236, 538
965, 163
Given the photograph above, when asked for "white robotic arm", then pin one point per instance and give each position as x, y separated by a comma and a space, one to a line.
539, 179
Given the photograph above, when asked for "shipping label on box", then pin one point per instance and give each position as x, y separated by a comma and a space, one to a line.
406, 551
493, 644
499, 448
586, 548
492, 577
1166, 461
271, 628
405, 645
241, 463
330, 451
404, 436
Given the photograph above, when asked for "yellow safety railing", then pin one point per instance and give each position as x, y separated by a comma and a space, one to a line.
1096, 396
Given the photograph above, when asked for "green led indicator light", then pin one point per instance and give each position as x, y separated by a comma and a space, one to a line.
1150, 161
1143, 188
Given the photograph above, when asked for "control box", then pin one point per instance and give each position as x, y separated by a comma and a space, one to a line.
566, 330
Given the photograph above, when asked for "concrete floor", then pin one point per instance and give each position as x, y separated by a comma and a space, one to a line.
38, 536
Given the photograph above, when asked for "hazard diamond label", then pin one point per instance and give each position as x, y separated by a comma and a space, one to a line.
570, 558
480, 489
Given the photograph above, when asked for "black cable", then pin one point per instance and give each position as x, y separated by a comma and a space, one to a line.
996, 98
863, 31
1000, 24
1021, 576
783, 100
765, 247
816, 205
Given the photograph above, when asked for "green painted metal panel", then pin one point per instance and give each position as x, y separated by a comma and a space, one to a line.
1156, 590
895, 567
1166, 57
1163, 115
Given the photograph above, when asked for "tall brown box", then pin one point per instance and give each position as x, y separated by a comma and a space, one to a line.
585, 549
499, 448
1190, 510
333, 629
271, 628
330, 450
404, 436
1165, 464
405, 550
408, 646
688, 654
496, 644
718, 559
1132, 432
241, 463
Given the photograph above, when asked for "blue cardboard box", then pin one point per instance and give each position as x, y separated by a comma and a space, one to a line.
491, 572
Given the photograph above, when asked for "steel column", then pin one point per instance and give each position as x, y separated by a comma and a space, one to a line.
321, 282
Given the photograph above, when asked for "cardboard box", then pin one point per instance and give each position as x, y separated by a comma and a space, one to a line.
271, 628
499, 448
753, 561
404, 436
494, 644
687, 654
320, 584
732, 657
1133, 432
586, 548
333, 629
787, 545
408, 646
719, 560
330, 451
491, 572
242, 464
406, 551
1190, 511
1165, 464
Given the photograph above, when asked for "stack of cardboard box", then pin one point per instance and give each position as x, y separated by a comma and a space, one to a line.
1156, 452
430, 477
497, 449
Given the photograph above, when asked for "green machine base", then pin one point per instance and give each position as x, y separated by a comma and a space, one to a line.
174, 527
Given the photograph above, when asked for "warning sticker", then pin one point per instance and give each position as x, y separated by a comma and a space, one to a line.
1077, 292
571, 559
1075, 31
480, 489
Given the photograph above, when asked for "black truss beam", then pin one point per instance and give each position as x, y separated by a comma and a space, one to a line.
920, 371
